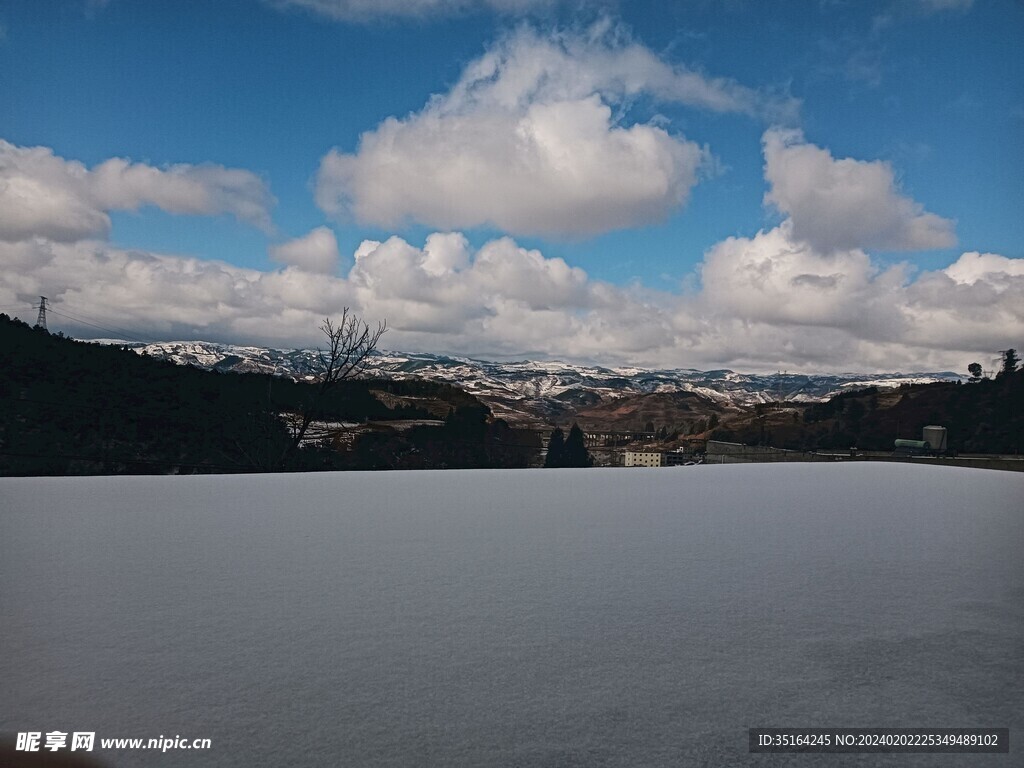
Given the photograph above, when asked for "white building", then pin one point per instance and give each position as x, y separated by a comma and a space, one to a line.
644, 459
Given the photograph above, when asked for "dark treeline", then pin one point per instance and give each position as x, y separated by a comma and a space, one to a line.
981, 416
70, 407
568, 451
467, 440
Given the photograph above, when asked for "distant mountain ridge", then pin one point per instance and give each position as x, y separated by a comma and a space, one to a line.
532, 391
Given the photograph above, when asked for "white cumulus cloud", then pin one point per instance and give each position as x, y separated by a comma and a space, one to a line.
316, 251
766, 302
839, 310
991, 267
527, 141
43, 195
776, 279
777, 299
839, 204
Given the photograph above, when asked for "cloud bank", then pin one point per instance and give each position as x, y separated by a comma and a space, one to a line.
843, 203
777, 299
767, 302
43, 195
314, 252
529, 141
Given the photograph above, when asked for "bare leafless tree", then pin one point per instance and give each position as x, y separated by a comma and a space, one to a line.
349, 343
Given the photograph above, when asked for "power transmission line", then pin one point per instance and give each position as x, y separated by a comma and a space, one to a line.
44, 308
120, 331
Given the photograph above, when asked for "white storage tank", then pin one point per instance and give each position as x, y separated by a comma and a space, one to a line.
935, 437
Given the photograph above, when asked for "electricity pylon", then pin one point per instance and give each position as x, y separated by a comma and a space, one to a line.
41, 320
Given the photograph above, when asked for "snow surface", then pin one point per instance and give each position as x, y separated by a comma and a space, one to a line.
496, 618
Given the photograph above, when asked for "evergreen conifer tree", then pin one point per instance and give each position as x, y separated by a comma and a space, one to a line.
1010, 360
556, 449
576, 453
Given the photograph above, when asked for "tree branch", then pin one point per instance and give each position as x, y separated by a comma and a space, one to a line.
349, 344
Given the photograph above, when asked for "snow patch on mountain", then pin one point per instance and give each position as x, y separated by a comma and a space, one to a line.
532, 388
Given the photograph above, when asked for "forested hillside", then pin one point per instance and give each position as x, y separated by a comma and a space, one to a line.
981, 416
71, 407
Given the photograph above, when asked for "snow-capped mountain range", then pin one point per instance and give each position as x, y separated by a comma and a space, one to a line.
534, 390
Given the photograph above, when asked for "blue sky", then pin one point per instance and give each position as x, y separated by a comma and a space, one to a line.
594, 176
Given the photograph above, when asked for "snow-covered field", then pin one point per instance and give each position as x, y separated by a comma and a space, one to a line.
513, 618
